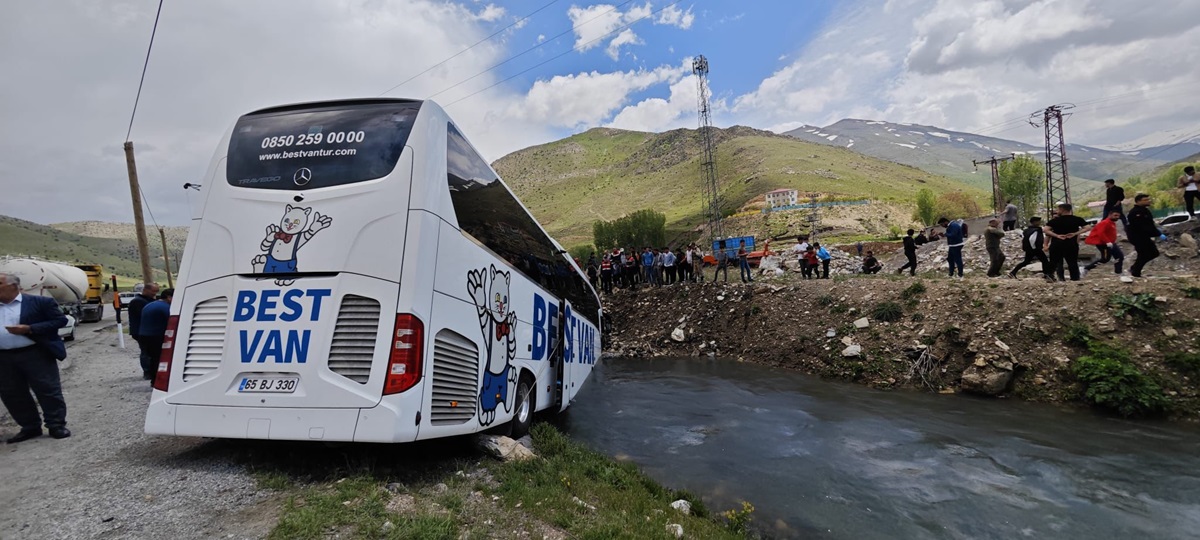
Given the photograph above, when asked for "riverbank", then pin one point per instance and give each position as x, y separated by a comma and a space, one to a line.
1131, 348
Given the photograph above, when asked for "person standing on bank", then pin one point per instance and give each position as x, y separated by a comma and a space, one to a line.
954, 245
149, 363
1113, 197
154, 324
1064, 231
910, 253
1191, 191
991, 239
29, 352
824, 256
1104, 236
743, 263
1142, 232
722, 256
1010, 216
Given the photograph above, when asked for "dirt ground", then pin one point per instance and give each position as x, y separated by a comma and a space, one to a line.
809, 325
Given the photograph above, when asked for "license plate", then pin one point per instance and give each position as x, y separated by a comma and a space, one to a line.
281, 385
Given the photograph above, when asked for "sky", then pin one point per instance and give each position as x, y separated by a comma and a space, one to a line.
519, 73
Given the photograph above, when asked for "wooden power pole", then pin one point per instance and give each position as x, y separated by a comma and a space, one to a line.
138, 222
995, 163
166, 257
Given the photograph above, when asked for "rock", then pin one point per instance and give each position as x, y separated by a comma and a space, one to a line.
831, 333
675, 529
683, 507
861, 323
852, 351
387, 527
583, 504
1187, 240
394, 487
677, 335
987, 380
1126, 279
1170, 332
504, 448
1003, 346
847, 340
720, 298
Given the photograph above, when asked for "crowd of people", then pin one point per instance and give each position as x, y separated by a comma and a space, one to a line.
626, 268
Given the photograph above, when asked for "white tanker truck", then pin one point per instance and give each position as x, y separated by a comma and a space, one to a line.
66, 284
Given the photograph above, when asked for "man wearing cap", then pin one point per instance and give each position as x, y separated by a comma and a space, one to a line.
1113, 195
1033, 242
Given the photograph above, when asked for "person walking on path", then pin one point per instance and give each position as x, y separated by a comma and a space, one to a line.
954, 245
910, 253
1064, 231
743, 263
824, 256
991, 240
1010, 216
154, 323
148, 362
870, 265
722, 256
1191, 190
1142, 232
1104, 236
1033, 243
1114, 195
29, 352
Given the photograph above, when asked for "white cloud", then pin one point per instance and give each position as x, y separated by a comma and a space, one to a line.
626, 37
490, 13
587, 99
672, 15
593, 25
658, 114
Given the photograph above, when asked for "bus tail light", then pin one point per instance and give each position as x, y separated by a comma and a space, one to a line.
404, 361
162, 377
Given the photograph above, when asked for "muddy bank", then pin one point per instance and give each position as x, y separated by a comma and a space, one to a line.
1004, 337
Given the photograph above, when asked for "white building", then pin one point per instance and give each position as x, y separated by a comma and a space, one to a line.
781, 197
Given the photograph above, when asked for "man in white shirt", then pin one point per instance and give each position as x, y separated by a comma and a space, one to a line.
29, 350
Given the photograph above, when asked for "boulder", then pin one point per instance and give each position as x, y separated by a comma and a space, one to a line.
852, 351
682, 506
677, 335
987, 379
504, 448
675, 529
1187, 240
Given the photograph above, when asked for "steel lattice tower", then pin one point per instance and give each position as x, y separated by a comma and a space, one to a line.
1058, 182
708, 166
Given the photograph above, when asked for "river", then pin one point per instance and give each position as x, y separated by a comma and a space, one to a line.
821, 459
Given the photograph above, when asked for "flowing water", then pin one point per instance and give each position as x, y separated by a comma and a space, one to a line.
820, 459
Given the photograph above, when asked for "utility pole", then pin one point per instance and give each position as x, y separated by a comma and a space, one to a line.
166, 257
708, 165
139, 224
1058, 182
814, 216
995, 163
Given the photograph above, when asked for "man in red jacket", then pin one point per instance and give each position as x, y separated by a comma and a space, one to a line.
1104, 237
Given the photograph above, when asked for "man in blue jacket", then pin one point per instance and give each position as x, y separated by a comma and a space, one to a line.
29, 351
954, 244
154, 326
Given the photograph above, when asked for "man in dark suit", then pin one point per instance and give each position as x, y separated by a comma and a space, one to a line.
29, 350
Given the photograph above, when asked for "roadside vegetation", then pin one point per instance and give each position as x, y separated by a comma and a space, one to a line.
449, 490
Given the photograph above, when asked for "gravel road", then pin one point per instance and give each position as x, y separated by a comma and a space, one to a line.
109, 479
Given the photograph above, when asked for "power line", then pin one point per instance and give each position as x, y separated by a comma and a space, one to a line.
144, 66
539, 45
455, 55
555, 57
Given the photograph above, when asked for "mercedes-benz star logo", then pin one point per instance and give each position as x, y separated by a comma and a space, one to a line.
302, 176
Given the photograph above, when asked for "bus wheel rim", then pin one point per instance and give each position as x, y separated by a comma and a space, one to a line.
523, 411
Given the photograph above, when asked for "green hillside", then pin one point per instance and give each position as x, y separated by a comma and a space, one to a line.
606, 173
118, 256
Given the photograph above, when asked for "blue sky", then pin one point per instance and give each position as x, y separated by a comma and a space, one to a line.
72, 68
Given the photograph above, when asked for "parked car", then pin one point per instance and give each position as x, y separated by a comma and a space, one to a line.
67, 333
127, 297
1177, 217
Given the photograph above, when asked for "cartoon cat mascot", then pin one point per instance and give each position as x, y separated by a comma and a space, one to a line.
498, 324
283, 241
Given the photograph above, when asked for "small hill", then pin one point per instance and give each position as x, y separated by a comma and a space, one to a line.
118, 254
606, 173
176, 236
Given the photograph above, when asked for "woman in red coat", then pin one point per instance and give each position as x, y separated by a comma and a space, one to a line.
1104, 237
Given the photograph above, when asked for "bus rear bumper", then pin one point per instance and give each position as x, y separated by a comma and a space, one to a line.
377, 424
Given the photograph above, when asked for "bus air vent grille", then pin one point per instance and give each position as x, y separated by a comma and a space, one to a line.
353, 348
206, 338
455, 379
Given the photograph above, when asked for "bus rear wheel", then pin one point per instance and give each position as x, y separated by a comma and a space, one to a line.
523, 418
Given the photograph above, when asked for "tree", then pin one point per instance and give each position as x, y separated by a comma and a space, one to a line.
1023, 180
925, 212
956, 205
639, 229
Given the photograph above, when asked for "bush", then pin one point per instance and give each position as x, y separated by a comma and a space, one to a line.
1139, 307
912, 291
1192, 292
1183, 362
825, 300
887, 312
1113, 383
1078, 333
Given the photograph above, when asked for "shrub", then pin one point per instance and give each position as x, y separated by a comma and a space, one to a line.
1112, 382
912, 291
1192, 292
887, 311
739, 519
1139, 307
825, 300
1078, 333
1183, 362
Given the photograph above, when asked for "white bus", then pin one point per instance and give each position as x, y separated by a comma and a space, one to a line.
355, 271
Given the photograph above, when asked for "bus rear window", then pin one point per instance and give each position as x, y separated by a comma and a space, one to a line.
320, 146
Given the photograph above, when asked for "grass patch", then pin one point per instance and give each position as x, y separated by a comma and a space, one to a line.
357, 504
1183, 324
272, 480
1077, 333
887, 312
1113, 383
1183, 362
1192, 292
1140, 308
825, 300
627, 503
913, 291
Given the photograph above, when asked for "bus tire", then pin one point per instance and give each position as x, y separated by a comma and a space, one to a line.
523, 410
